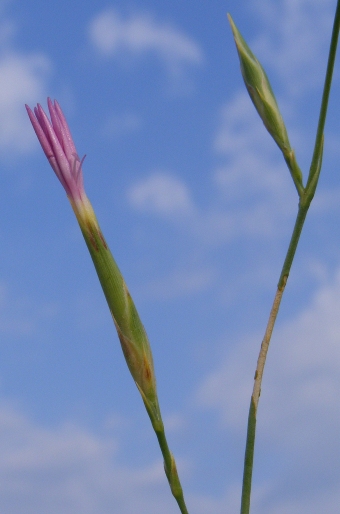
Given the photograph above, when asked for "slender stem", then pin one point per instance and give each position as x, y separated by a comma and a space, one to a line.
170, 469
251, 429
261, 361
305, 200
299, 222
248, 459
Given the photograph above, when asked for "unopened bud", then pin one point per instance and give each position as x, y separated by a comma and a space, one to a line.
260, 91
262, 96
56, 140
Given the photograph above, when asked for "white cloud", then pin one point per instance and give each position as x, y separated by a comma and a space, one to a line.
255, 193
23, 78
240, 127
299, 413
69, 469
295, 40
304, 362
254, 163
161, 193
111, 34
253, 189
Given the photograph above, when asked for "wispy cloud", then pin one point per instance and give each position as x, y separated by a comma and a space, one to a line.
23, 79
161, 194
299, 402
306, 352
254, 165
295, 40
69, 469
253, 191
138, 34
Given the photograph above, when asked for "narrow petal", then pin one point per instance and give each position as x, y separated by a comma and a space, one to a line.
43, 140
55, 138
38, 125
58, 152
55, 122
70, 148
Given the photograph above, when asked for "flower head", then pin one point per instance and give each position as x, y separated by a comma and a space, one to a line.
55, 138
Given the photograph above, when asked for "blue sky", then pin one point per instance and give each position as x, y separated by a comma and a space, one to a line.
197, 206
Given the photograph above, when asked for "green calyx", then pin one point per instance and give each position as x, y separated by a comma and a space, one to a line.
132, 336
131, 332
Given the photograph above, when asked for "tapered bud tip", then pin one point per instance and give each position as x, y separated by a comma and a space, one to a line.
233, 26
241, 44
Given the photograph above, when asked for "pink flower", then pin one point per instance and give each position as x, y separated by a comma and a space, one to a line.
57, 143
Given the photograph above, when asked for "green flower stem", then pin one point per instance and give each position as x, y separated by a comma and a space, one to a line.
299, 222
170, 467
251, 429
133, 338
305, 200
171, 470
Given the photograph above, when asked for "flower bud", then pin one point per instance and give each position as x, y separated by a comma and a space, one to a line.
260, 91
56, 141
262, 96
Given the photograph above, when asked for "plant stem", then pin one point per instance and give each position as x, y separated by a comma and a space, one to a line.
134, 342
305, 200
251, 429
169, 465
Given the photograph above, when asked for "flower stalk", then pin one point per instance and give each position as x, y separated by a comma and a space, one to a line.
57, 143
